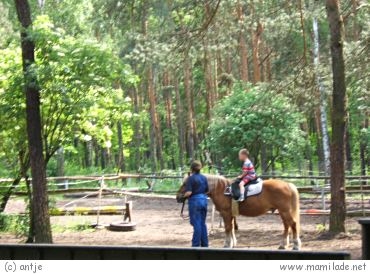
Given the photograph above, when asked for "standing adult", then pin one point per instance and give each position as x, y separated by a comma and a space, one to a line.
196, 190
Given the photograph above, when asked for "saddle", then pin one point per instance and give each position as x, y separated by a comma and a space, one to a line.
253, 188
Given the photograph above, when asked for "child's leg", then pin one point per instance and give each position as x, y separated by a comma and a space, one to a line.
242, 189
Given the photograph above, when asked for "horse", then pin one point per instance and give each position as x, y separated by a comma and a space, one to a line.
275, 195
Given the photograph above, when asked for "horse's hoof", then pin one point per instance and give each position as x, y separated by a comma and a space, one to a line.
282, 247
295, 248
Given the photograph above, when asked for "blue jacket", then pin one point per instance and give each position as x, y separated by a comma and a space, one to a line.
197, 184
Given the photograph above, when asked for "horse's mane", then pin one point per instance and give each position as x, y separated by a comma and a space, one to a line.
214, 180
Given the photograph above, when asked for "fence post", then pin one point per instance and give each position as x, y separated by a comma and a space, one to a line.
101, 186
365, 223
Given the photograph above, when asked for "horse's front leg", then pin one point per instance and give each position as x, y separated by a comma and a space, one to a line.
230, 240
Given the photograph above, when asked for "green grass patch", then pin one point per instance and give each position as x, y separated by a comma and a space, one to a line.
14, 223
73, 227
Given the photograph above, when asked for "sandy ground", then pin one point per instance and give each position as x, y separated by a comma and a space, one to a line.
159, 224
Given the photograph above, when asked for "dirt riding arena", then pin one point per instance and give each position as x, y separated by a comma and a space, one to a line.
159, 224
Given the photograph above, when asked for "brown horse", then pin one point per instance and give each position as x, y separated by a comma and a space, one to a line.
276, 195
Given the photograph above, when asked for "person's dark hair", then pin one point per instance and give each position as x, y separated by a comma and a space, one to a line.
196, 166
244, 151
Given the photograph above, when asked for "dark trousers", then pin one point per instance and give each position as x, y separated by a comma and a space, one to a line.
198, 214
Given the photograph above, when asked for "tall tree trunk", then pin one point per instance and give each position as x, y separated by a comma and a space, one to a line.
40, 207
229, 71
180, 123
31, 229
301, 12
24, 165
349, 159
88, 153
103, 157
363, 145
154, 128
323, 116
8, 193
137, 129
167, 98
60, 167
339, 118
264, 160
96, 153
319, 149
156, 135
243, 51
121, 156
356, 29
256, 49
190, 114
208, 79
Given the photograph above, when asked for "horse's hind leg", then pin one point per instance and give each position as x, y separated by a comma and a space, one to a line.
290, 223
285, 241
296, 239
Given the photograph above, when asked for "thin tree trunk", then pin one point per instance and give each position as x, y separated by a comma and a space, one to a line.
319, 149
60, 167
323, 116
167, 98
103, 158
229, 71
355, 28
208, 79
363, 146
121, 156
349, 159
40, 207
339, 118
301, 12
24, 165
8, 193
96, 152
153, 118
256, 49
180, 123
243, 51
137, 130
155, 128
190, 114
31, 229
264, 160
88, 153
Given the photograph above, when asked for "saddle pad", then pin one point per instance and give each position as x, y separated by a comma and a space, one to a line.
250, 189
254, 189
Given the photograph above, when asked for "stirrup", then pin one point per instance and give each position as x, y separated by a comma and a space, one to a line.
241, 199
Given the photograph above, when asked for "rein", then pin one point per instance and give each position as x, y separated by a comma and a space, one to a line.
182, 211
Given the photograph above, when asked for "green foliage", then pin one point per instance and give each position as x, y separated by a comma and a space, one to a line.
17, 224
253, 117
76, 77
92, 60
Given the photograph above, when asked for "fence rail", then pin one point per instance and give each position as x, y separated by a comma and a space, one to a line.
159, 177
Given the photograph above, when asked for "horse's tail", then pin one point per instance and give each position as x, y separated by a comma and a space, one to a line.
295, 205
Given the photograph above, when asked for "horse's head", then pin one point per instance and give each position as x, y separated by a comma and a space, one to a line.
180, 193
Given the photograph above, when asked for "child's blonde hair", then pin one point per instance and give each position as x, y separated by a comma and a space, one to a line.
244, 151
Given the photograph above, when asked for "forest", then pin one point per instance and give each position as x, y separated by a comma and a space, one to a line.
148, 86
